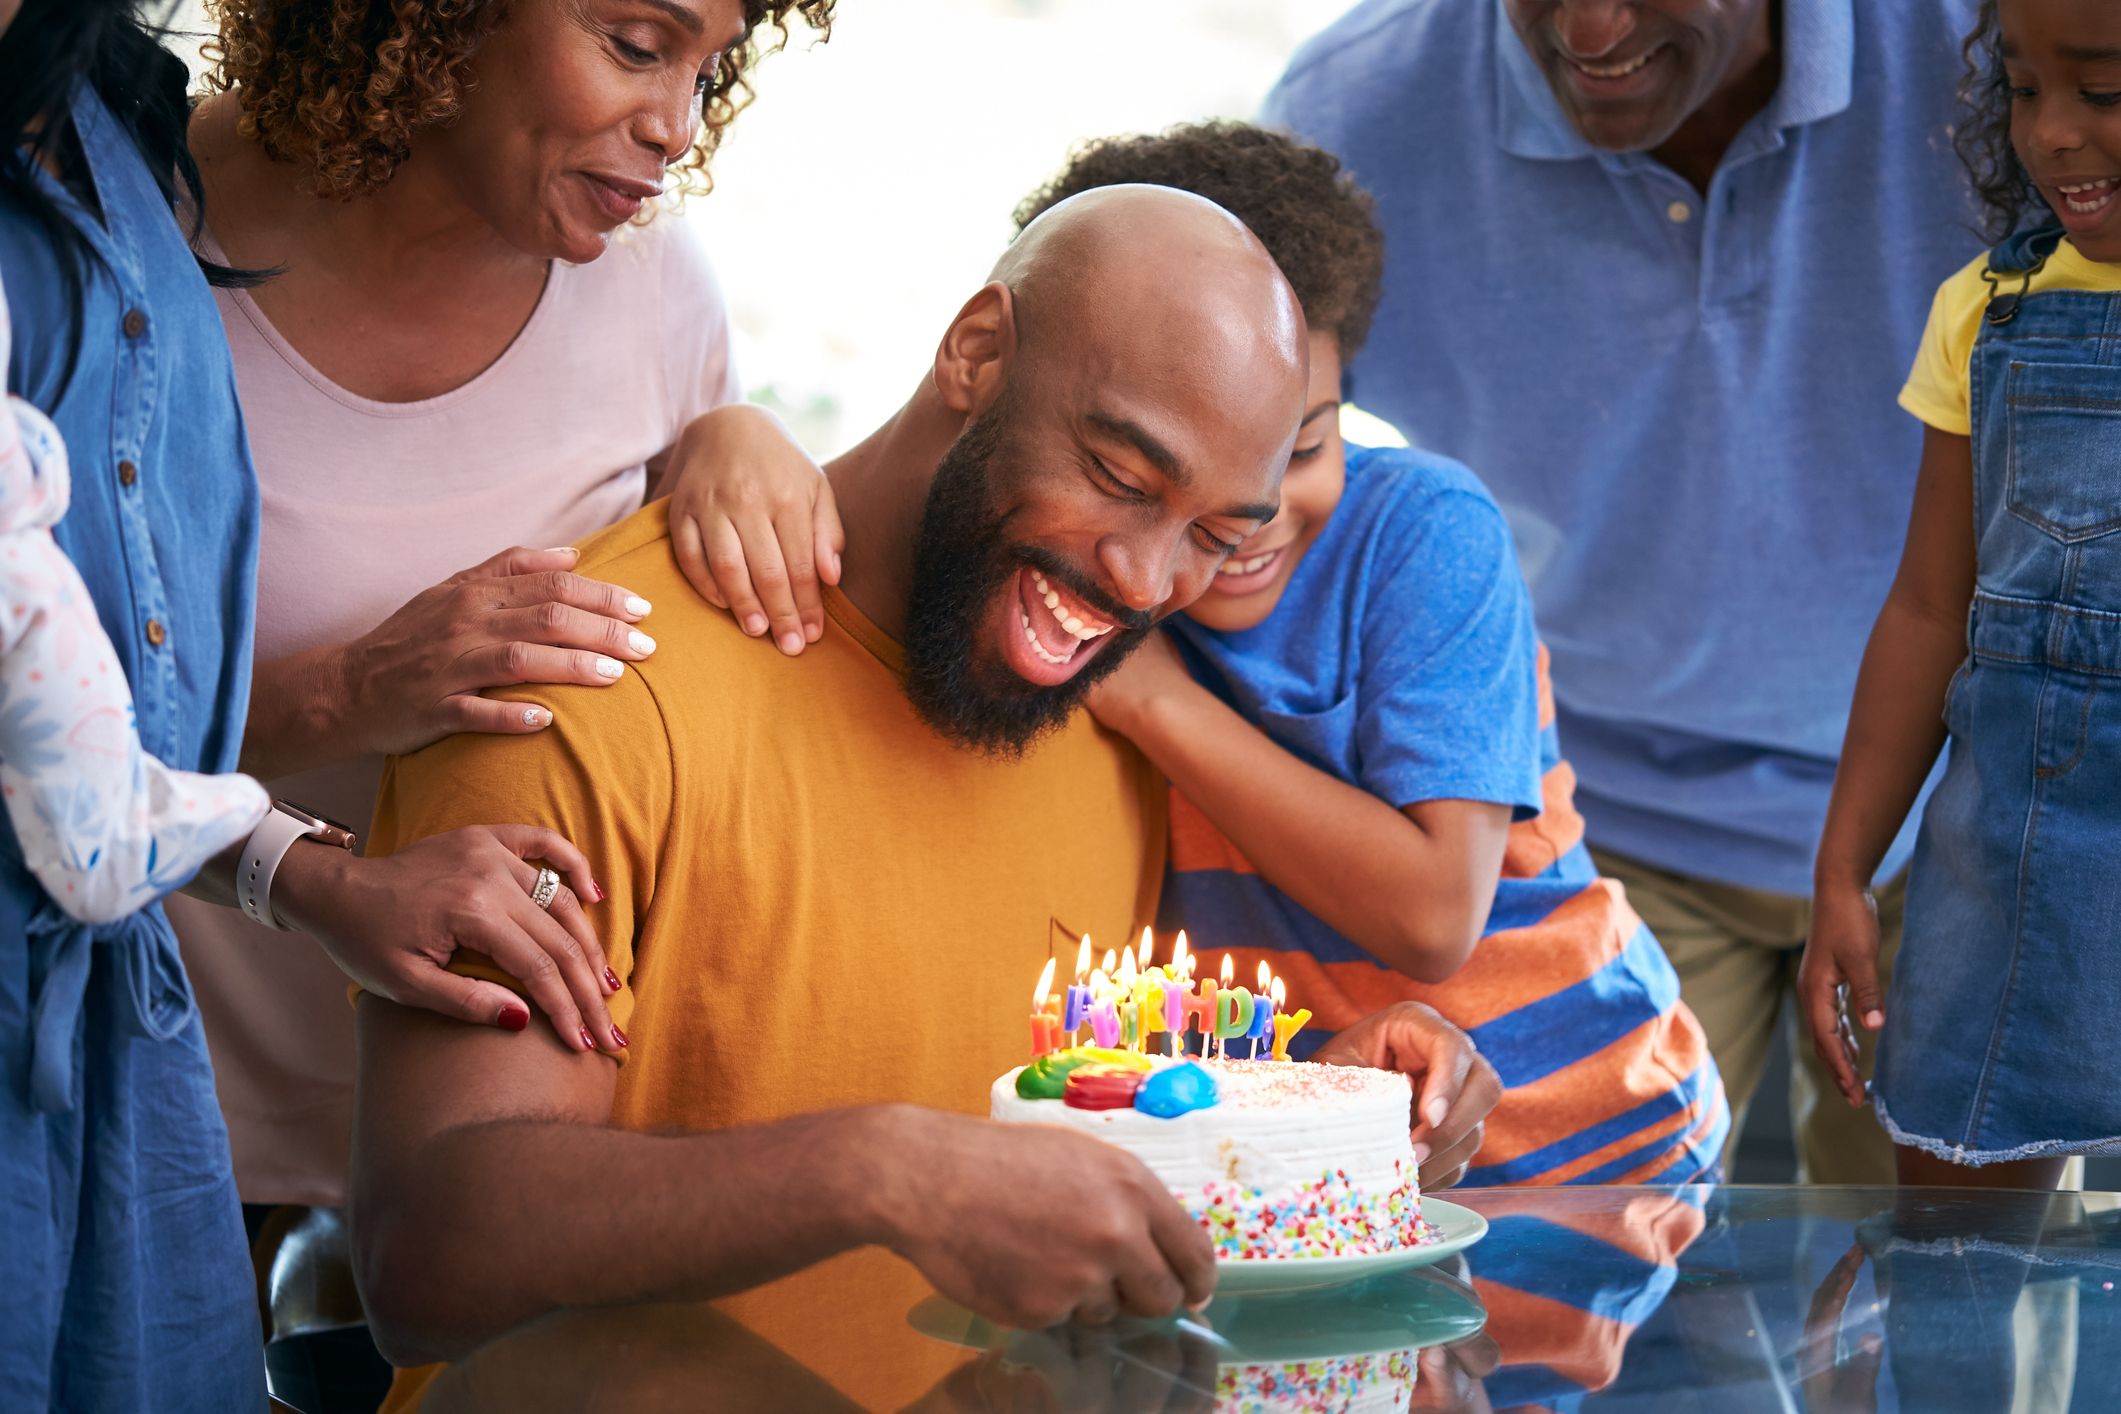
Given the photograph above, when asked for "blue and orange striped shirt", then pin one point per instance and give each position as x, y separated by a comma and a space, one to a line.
1404, 613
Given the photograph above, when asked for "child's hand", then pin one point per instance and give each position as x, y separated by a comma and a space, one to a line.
1457, 1088
1152, 670
1839, 975
754, 523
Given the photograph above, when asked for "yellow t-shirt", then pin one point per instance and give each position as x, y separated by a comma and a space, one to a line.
1937, 386
812, 899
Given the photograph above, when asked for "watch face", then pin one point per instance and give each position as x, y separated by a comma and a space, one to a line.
322, 829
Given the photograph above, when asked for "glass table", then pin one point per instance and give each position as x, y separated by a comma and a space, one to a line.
1721, 1299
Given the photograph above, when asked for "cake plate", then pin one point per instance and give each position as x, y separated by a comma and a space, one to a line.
1456, 1229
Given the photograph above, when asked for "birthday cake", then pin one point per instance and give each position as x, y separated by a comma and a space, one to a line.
1275, 1158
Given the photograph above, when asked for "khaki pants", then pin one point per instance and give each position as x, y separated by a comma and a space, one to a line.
1736, 951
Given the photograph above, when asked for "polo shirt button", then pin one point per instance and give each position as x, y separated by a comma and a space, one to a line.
1680, 212
127, 473
156, 634
135, 323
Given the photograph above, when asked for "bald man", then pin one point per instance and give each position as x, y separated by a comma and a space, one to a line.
827, 884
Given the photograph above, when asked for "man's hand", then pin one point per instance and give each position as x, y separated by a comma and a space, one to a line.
1029, 1225
1454, 1087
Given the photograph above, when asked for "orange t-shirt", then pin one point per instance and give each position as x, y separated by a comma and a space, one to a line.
812, 899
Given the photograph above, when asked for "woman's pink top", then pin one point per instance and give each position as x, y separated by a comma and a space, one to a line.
365, 505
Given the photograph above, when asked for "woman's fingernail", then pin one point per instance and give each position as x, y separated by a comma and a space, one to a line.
596, 892
611, 979
514, 1018
563, 550
1874, 1019
754, 624
637, 606
640, 642
589, 1042
618, 1035
609, 667
536, 717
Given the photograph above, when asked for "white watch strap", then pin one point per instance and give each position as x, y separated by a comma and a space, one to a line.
262, 853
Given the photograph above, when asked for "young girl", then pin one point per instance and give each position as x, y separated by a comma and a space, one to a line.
2002, 635
1357, 729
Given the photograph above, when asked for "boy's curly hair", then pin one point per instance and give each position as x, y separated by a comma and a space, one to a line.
1310, 213
338, 87
1983, 140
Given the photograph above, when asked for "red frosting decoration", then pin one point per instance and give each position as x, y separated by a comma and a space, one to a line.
1102, 1087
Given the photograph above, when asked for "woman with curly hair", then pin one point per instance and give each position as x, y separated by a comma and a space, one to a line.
1999, 645
471, 340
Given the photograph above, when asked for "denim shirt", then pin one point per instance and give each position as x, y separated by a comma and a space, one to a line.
163, 527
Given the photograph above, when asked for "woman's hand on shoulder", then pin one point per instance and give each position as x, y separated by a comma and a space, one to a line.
754, 523
393, 923
520, 617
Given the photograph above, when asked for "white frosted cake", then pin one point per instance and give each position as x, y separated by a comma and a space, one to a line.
1276, 1159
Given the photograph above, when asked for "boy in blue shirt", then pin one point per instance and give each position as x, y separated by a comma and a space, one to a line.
1367, 790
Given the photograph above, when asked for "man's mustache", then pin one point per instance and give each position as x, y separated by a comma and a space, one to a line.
1053, 567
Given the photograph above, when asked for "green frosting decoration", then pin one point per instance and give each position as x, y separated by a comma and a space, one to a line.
1047, 1077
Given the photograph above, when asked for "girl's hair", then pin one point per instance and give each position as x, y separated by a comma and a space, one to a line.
1310, 213
1983, 140
338, 87
52, 48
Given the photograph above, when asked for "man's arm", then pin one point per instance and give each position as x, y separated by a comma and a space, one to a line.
490, 1187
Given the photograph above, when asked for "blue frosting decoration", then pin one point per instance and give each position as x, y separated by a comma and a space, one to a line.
1173, 1091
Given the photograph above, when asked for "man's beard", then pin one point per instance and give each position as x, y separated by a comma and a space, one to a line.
961, 561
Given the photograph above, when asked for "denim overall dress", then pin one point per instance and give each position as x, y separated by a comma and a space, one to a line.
2003, 1032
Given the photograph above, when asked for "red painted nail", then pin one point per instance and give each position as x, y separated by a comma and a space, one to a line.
618, 1035
514, 1018
589, 1042
596, 892
611, 979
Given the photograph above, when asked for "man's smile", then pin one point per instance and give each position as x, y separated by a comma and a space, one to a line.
1053, 633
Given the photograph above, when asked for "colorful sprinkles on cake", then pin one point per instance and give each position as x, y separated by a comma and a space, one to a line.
1329, 1218
1321, 1385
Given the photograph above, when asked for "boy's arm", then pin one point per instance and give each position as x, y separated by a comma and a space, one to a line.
490, 1187
1412, 887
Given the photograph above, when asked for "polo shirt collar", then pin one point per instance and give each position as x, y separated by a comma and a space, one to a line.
1818, 64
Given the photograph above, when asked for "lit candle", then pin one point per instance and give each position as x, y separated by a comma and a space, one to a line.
1262, 1010
1145, 947
1111, 963
1285, 1029
1078, 998
1104, 1023
1200, 1014
1043, 1027
1233, 1010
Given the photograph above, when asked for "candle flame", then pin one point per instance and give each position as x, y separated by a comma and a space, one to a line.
1181, 963
1228, 972
1266, 976
1082, 960
1148, 946
1278, 992
1045, 986
1099, 983
1111, 962
1128, 972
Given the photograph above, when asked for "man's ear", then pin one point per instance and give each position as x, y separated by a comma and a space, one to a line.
972, 362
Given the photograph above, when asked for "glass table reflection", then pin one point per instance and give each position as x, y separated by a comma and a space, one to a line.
1730, 1299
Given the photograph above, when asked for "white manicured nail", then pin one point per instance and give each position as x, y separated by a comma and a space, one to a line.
637, 606
609, 667
640, 642
560, 550
536, 716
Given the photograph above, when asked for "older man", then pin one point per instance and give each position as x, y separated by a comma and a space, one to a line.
1656, 270
829, 882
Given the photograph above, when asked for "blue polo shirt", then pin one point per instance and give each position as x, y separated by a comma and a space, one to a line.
1684, 402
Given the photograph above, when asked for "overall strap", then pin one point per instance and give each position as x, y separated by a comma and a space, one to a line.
2019, 257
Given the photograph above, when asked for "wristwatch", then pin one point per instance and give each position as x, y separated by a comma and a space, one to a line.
285, 823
